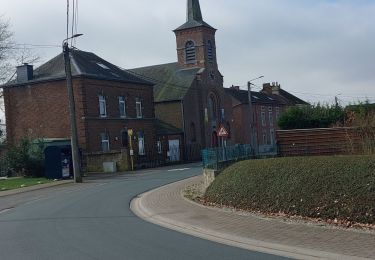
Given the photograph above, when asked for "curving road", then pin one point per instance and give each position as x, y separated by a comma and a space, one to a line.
93, 221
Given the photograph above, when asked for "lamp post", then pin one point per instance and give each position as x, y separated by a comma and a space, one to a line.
72, 111
251, 114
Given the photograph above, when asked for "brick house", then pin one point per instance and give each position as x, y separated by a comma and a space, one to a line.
189, 94
109, 101
267, 106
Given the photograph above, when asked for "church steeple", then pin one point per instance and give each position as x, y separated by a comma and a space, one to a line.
194, 11
193, 16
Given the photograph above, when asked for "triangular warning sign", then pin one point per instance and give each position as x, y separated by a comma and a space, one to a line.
223, 132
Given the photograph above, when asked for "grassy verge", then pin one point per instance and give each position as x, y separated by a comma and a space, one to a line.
16, 183
338, 188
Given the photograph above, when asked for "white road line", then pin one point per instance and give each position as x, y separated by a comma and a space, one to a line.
182, 169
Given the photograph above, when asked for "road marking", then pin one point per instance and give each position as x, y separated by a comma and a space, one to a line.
5, 210
176, 170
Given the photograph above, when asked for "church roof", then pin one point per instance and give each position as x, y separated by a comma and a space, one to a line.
85, 64
194, 16
171, 82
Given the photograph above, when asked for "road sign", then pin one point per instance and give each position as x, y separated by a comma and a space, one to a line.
223, 132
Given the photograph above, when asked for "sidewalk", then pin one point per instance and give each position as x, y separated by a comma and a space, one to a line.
34, 187
167, 207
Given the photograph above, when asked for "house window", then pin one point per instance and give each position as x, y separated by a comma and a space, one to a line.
272, 136
190, 52
102, 106
122, 106
210, 55
270, 117
141, 144
138, 104
263, 115
159, 146
277, 113
104, 142
264, 138
124, 139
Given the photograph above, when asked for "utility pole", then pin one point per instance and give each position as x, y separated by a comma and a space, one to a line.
253, 140
251, 118
72, 112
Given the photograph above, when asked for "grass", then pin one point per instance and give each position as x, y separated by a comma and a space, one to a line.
16, 183
340, 188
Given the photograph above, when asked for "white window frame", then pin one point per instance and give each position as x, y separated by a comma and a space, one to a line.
105, 141
141, 144
270, 117
272, 136
122, 106
102, 106
160, 147
139, 108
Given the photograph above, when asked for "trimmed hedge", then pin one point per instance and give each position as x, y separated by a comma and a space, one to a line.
336, 187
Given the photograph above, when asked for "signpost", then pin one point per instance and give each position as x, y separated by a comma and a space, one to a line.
130, 133
223, 133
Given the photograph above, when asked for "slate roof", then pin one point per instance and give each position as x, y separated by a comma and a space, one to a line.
194, 16
291, 99
85, 64
171, 82
256, 97
163, 128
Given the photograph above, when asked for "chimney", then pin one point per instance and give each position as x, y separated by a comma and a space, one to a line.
235, 87
267, 88
276, 89
25, 73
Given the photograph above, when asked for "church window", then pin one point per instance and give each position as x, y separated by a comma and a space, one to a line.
212, 110
210, 54
190, 52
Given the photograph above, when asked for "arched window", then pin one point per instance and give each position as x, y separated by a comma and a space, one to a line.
212, 107
190, 52
210, 53
193, 132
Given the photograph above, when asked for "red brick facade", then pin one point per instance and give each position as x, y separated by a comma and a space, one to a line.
41, 111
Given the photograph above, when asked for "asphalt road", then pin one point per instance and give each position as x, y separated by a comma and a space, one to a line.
93, 221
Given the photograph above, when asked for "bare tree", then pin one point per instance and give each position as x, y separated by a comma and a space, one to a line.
7, 47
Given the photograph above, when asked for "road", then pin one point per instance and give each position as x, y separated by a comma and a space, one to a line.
93, 221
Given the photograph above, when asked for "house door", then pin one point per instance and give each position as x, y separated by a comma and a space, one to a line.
174, 150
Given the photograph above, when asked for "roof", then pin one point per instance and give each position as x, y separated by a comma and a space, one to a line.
163, 128
256, 97
171, 82
194, 16
290, 98
85, 64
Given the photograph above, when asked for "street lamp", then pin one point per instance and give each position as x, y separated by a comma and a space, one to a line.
252, 137
72, 111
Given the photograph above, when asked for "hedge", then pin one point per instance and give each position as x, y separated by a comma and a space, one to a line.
336, 187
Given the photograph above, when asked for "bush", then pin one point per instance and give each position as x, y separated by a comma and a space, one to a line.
311, 117
25, 159
341, 187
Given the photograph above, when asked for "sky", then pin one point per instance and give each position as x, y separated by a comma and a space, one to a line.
316, 49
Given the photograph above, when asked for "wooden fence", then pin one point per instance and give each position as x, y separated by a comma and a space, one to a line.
323, 141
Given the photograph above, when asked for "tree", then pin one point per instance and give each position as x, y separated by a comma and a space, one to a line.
7, 46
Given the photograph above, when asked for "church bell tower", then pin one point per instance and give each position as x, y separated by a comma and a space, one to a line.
196, 46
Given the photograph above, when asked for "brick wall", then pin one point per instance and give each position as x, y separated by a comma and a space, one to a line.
200, 36
170, 113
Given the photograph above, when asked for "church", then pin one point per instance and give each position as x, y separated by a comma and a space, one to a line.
189, 94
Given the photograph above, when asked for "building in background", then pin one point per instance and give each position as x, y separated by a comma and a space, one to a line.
267, 107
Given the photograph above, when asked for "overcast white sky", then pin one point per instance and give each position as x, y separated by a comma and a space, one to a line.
316, 49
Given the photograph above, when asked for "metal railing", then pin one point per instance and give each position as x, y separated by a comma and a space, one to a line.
219, 158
